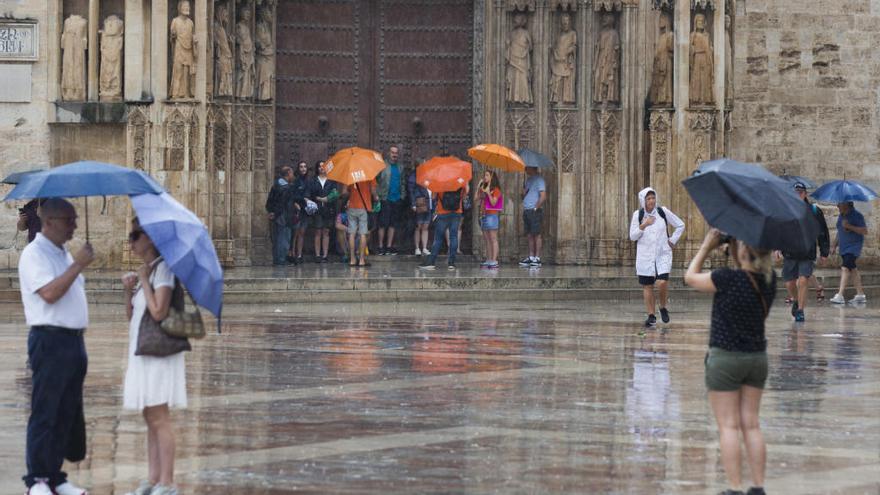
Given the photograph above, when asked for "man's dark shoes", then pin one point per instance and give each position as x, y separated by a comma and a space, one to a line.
794, 308
756, 490
664, 315
731, 492
291, 259
651, 321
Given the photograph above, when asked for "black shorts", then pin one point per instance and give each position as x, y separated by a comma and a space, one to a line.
643, 280
532, 220
849, 261
389, 214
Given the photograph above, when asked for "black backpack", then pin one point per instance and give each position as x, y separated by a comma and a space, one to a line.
659, 212
451, 201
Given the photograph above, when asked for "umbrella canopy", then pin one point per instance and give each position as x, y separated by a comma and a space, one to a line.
85, 178
352, 165
534, 159
17, 176
795, 179
753, 205
842, 191
444, 173
185, 245
497, 156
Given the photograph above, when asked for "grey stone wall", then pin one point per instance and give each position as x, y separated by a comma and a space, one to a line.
807, 77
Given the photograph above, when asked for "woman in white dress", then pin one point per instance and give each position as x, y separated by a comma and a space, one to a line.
153, 385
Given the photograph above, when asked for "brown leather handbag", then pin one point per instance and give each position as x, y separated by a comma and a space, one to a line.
153, 340
179, 322
422, 205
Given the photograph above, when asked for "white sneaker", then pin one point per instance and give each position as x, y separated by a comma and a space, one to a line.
163, 490
69, 488
145, 488
39, 488
859, 298
418, 252
837, 299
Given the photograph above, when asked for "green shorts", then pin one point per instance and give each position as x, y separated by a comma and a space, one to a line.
727, 371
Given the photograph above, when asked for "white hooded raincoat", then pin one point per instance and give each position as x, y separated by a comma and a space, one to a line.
653, 254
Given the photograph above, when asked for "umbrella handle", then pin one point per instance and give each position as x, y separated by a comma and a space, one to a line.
87, 218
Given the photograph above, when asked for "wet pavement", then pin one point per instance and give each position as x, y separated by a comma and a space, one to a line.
566, 397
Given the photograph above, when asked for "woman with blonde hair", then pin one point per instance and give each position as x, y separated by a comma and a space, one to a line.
736, 364
153, 385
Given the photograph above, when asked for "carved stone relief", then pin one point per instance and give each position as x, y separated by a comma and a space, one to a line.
265, 55
223, 49
74, 41
661, 92
565, 148
702, 76
110, 81
521, 5
520, 129
138, 127
183, 54
219, 128
728, 61
519, 61
660, 125
665, 5
562, 63
607, 134
175, 140
245, 86
606, 64
702, 4
607, 5
241, 138
262, 135
564, 5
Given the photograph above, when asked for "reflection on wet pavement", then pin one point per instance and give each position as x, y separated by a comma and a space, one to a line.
478, 398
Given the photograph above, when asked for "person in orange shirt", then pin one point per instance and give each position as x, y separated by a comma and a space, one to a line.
449, 212
360, 202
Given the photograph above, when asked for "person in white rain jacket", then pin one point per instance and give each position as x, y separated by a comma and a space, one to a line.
654, 249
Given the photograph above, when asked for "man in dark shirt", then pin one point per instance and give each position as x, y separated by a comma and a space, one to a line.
278, 206
798, 267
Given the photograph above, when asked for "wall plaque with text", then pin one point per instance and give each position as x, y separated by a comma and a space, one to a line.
18, 40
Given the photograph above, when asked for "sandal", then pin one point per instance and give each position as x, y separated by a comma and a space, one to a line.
788, 300
820, 293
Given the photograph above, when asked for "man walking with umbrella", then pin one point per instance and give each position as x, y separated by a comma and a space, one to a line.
56, 310
851, 231
798, 267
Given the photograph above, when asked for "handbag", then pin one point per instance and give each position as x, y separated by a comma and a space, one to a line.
153, 340
179, 322
421, 205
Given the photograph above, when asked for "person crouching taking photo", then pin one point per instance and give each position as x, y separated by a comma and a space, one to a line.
736, 364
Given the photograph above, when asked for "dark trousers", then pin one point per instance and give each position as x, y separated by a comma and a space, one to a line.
441, 224
281, 242
58, 364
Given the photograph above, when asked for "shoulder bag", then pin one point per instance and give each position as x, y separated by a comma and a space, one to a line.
153, 341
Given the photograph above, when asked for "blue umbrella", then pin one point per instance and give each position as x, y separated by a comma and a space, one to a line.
534, 159
795, 179
185, 244
84, 179
17, 176
841, 191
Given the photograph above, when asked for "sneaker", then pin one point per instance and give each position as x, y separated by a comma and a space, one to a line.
418, 252
450, 267
391, 251
794, 309
163, 490
68, 488
651, 321
756, 490
535, 261
731, 492
859, 298
485, 263
493, 264
525, 261
838, 299
39, 488
291, 259
145, 488
799, 316
427, 266
664, 315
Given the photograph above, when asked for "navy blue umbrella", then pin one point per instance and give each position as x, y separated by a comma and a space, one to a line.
753, 205
84, 179
797, 179
535, 159
842, 191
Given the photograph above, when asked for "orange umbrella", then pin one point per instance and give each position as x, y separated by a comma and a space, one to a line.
352, 165
497, 156
444, 173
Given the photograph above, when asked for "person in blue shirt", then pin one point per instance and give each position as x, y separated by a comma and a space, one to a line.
391, 191
534, 194
851, 231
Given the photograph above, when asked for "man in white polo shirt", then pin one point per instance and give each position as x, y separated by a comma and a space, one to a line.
55, 308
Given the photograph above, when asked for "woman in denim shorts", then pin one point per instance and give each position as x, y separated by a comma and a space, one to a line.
489, 195
736, 364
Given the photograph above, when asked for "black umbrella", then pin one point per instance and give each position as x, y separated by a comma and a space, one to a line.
17, 176
533, 158
753, 205
795, 179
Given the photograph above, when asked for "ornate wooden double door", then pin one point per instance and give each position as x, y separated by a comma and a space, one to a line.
374, 73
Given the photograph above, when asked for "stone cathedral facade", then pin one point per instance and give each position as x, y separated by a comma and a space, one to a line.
211, 96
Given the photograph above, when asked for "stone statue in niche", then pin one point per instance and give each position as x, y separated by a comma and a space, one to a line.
265, 55
606, 65
245, 55
728, 61
110, 81
74, 41
183, 53
223, 51
702, 79
519, 61
562, 63
661, 90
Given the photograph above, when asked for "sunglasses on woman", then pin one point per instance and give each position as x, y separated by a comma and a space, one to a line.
134, 235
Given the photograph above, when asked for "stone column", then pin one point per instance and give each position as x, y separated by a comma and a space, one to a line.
94, 24
135, 30
633, 173
720, 73
159, 51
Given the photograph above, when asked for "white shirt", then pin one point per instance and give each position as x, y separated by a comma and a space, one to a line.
40, 263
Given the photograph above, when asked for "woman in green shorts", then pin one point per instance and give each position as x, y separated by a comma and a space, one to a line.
736, 364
